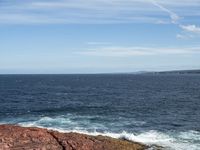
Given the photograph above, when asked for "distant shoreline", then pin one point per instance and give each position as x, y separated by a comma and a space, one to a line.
177, 72
197, 71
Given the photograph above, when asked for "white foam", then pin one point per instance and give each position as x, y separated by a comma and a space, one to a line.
189, 140
149, 138
194, 135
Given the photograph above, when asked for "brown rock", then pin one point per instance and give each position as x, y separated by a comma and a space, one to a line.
21, 138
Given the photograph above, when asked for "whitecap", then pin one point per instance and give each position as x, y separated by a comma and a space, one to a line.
188, 140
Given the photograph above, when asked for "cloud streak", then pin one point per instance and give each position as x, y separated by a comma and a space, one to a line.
189, 29
137, 51
103, 12
174, 17
91, 11
98, 43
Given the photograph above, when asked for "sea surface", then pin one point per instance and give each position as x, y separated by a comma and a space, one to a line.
152, 109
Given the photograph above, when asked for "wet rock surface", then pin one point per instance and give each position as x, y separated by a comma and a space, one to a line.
22, 138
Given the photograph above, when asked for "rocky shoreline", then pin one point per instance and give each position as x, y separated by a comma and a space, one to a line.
30, 138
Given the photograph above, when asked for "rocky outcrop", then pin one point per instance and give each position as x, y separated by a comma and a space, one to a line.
22, 138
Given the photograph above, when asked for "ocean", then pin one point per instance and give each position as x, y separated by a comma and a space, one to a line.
157, 109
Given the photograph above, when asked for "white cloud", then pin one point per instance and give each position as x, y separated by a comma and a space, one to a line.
188, 32
138, 51
191, 28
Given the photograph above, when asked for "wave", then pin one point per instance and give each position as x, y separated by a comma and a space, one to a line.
189, 140
69, 122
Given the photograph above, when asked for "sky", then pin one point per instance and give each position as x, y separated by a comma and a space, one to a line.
98, 36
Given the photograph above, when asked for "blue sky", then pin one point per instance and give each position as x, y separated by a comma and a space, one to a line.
99, 36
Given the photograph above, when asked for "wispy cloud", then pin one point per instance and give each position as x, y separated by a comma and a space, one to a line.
98, 43
93, 11
103, 12
74, 11
192, 29
174, 17
184, 36
138, 51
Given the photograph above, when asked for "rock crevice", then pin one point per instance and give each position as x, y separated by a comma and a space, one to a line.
58, 141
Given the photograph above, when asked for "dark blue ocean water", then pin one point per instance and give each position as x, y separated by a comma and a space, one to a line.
153, 109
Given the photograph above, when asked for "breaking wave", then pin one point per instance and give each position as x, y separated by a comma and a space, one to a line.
169, 140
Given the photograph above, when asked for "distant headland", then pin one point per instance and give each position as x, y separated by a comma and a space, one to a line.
174, 72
